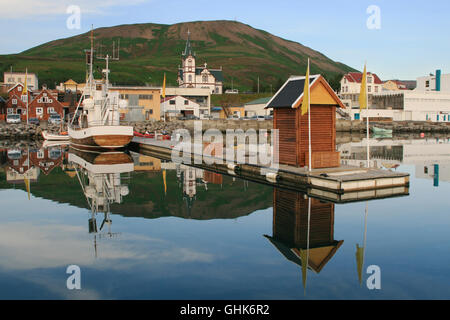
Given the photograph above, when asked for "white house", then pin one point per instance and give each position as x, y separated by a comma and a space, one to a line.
351, 87
430, 101
191, 76
407, 105
438, 82
11, 78
179, 105
257, 107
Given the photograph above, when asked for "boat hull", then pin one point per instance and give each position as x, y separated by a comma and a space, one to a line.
102, 137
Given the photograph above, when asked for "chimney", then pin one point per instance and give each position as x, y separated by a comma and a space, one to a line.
438, 80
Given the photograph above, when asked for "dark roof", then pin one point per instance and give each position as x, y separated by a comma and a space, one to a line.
188, 49
290, 92
218, 74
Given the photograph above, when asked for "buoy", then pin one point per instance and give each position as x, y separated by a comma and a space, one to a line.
272, 177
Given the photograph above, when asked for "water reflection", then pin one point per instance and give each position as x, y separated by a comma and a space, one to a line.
429, 156
99, 175
183, 229
303, 230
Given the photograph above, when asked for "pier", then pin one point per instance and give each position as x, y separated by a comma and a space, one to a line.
339, 184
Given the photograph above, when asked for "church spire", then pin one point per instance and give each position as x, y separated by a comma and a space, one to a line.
188, 50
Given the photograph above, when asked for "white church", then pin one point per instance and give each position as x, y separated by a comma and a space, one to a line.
190, 76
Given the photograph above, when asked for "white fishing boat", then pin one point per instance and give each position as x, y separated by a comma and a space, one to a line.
96, 122
55, 137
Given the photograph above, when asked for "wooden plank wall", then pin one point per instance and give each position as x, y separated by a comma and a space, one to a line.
323, 133
285, 122
291, 220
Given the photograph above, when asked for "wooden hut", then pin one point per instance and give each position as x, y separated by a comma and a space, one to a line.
290, 228
293, 136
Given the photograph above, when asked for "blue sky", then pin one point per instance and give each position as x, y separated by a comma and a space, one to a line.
413, 39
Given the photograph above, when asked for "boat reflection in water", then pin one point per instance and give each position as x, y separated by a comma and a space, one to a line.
99, 174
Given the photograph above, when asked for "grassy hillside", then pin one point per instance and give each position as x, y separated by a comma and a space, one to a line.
149, 50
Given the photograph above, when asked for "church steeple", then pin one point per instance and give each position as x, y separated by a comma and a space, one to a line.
188, 49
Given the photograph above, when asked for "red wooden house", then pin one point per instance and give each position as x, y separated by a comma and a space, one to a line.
47, 159
44, 104
290, 229
293, 145
17, 102
39, 106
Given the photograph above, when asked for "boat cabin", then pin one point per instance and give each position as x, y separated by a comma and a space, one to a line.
293, 145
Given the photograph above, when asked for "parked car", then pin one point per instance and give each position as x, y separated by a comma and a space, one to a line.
233, 117
54, 118
259, 118
268, 117
13, 118
33, 121
245, 118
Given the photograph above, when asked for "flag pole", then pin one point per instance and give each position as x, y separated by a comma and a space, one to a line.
367, 125
309, 121
26, 90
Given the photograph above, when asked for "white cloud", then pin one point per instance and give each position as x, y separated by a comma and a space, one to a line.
20, 9
25, 246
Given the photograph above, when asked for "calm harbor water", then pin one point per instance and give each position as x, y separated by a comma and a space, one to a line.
175, 232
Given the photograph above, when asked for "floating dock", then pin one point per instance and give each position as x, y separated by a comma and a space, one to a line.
340, 185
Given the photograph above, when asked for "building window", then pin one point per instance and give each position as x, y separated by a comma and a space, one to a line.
24, 98
50, 110
190, 78
369, 89
427, 84
172, 102
146, 96
369, 79
186, 102
376, 89
425, 170
40, 154
205, 78
10, 111
14, 101
39, 111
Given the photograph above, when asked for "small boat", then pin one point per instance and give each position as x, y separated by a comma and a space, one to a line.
381, 131
62, 136
153, 136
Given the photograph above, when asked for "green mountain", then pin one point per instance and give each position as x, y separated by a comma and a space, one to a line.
149, 50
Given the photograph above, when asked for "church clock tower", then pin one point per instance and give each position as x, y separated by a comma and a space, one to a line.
188, 65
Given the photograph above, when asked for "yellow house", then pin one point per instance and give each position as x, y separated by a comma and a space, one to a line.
147, 163
145, 98
394, 85
227, 112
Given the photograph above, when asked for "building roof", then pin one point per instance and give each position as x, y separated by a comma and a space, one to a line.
188, 49
357, 77
70, 82
20, 83
259, 101
290, 94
